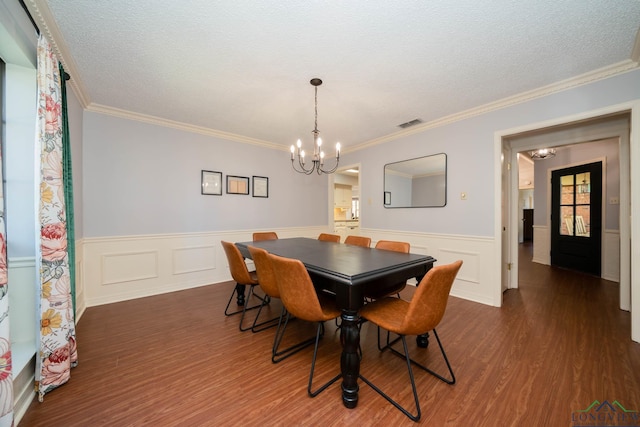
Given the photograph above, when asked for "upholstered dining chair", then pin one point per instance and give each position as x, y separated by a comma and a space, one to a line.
264, 235
421, 315
269, 284
363, 241
301, 300
325, 237
243, 278
396, 246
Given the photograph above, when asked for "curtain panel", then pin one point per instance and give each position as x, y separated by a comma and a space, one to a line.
57, 340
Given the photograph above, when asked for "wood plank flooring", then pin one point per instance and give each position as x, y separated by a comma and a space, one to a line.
558, 343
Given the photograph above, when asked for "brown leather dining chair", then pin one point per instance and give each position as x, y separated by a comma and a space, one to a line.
396, 246
243, 278
325, 237
363, 241
264, 235
269, 284
301, 300
419, 316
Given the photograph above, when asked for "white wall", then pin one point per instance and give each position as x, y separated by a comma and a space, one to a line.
581, 154
75, 114
470, 159
145, 179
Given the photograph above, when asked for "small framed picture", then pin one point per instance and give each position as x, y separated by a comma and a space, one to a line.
211, 182
260, 186
237, 185
387, 198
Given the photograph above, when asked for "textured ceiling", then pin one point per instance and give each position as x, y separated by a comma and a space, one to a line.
243, 67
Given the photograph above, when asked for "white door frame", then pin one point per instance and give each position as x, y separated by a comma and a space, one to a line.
628, 204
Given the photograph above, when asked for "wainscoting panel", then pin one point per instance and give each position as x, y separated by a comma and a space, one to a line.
22, 324
193, 259
475, 279
611, 255
541, 245
22, 309
80, 299
129, 267
121, 268
610, 251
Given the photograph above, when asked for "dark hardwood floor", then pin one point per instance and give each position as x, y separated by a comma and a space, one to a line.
558, 344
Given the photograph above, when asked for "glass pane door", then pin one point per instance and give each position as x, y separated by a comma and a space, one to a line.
575, 204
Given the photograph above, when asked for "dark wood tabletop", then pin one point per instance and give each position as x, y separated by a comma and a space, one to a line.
347, 271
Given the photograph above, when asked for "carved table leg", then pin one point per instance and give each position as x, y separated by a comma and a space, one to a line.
240, 294
349, 360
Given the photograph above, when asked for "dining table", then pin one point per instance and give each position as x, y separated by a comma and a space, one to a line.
348, 272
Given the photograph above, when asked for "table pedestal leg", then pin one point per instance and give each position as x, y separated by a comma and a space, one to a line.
350, 361
240, 294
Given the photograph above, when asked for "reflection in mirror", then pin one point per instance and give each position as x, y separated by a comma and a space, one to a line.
416, 183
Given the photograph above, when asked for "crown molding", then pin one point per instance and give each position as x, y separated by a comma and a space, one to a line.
159, 121
42, 15
590, 77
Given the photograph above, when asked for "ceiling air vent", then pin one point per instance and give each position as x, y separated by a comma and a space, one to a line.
410, 123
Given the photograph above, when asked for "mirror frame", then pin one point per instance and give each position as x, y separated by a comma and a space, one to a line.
387, 200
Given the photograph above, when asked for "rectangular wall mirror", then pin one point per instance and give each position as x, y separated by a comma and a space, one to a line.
416, 183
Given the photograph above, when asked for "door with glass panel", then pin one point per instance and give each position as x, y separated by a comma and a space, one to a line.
576, 218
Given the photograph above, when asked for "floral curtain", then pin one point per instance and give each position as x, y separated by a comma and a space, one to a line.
6, 378
57, 324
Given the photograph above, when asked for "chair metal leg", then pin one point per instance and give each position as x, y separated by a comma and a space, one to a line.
411, 416
410, 362
446, 360
450, 381
278, 355
263, 300
239, 290
266, 324
313, 365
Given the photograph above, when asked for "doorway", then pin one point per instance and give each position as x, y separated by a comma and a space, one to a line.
345, 209
576, 218
583, 140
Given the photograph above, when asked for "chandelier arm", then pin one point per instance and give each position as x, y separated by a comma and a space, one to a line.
302, 168
320, 169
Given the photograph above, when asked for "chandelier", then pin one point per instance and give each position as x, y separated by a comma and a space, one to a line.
317, 160
543, 153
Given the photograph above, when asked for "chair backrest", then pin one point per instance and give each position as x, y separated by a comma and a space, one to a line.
430, 299
264, 270
392, 245
329, 237
238, 268
358, 241
296, 288
264, 235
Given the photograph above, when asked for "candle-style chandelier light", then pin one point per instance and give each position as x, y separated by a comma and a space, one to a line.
317, 159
